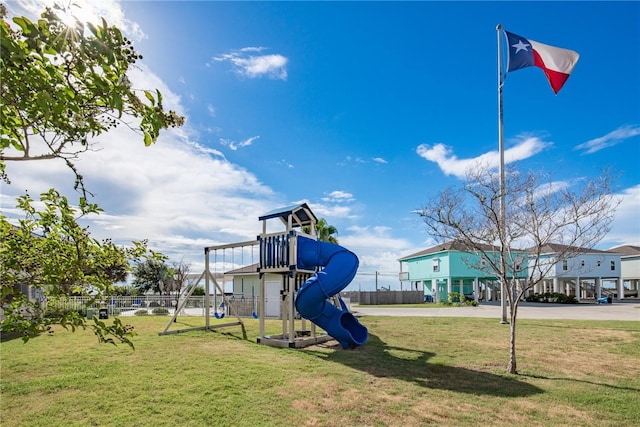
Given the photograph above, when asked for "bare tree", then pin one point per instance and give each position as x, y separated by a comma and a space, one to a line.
170, 279
180, 273
572, 215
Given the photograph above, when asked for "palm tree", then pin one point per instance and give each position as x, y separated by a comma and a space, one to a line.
326, 232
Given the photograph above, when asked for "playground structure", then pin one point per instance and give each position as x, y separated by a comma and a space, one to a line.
311, 274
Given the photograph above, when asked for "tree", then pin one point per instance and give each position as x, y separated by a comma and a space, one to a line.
154, 274
326, 232
538, 211
180, 272
63, 85
125, 291
151, 275
52, 256
197, 292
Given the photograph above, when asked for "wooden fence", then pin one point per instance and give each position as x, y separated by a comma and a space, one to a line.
390, 297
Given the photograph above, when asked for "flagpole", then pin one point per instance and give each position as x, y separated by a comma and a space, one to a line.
502, 219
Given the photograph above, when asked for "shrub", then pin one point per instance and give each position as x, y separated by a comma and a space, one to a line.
197, 292
456, 298
53, 312
566, 299
160, 311
141, 313
532, 298
552, 297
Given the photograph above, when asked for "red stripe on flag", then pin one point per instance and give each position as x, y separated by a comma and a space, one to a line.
556, 78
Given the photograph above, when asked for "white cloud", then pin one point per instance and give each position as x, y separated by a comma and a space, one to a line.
550, 188
357, 161
172, 193
450, 164
380, 160
609, 140
285, 163
273, 66
377, 250
203, 149
625, 228
335, 211
334, 205
177, 193
233, 145
338, 196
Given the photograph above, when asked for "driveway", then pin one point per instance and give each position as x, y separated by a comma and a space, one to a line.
617, 311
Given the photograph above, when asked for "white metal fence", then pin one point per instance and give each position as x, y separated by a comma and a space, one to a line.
128, 306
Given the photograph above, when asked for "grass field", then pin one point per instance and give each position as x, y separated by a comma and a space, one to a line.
411, 372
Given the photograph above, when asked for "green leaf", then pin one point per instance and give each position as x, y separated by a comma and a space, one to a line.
23, 23
6, 142
92, 28
117, 103
149, 97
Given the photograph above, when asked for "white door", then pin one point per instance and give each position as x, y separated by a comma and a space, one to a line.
272, 300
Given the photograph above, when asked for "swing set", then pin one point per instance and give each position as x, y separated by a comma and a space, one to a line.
216, 300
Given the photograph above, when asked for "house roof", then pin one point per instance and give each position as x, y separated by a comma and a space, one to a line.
453, 245
626, 250
549, 248
302, 215
247, 269
552, 248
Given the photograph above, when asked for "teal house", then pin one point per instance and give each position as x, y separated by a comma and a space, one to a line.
450, 267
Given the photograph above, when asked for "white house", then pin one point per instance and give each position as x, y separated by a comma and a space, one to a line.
630, 268
246, 290
584, 275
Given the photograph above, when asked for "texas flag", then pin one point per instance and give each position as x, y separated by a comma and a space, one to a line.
557, 63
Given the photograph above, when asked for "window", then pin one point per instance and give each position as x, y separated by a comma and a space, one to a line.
565, 265
519, 261
613, 266
436, 265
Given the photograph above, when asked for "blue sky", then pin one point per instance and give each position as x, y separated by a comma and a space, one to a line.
364, 110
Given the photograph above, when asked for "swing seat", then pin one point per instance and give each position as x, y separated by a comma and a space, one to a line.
218, 315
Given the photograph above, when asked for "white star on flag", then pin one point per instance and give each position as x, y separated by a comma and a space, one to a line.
520, 46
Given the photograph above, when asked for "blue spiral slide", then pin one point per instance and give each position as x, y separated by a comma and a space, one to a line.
340, 267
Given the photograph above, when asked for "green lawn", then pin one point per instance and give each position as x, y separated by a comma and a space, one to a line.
412, 372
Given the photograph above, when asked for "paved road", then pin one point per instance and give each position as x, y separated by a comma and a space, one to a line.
616, 311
